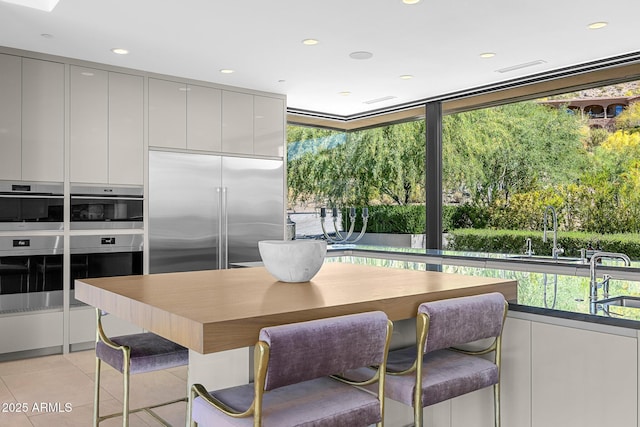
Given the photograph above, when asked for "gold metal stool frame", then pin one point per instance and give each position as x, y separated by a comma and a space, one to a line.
126, 355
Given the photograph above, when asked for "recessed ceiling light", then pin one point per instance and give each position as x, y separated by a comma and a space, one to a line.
310, 42
596, 25
119, 51
410, 1
406, 77
487, 55
46, 5
281, 81
360, 55
46, 35
344, 93
227, 71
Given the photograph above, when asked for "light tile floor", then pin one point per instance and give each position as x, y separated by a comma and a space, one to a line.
58, 391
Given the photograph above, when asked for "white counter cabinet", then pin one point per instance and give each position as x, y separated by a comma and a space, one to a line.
583, 378
555, 372
31, 119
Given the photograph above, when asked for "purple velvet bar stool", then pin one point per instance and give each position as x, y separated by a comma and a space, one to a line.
297, 382
436, 370
134, 354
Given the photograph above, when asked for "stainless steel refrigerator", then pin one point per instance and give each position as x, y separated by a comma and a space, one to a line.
207, 211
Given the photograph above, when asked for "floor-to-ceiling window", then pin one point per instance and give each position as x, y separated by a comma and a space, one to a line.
381, 169
579, 153
502, 168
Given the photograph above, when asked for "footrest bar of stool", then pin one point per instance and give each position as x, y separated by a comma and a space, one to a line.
147, 409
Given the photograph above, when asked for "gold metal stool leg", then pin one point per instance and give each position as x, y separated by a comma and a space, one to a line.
96, 395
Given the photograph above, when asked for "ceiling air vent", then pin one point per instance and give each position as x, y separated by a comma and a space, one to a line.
375, 101
520, 66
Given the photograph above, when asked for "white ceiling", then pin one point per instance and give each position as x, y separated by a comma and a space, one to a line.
439, 43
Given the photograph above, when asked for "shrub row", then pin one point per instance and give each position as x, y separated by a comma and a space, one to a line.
411, 219
514, 242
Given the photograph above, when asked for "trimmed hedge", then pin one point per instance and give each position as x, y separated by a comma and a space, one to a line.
411, 219
514, 242
399, 219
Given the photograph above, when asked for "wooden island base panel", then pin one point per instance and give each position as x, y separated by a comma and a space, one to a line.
216, 310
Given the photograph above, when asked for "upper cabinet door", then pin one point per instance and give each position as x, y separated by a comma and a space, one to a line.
167, 114
42, 120
89, 118
204, 118
10, 117
269, 132
126, 140
237, 122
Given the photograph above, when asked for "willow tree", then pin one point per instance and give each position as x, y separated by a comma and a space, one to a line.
496, 152
380, 165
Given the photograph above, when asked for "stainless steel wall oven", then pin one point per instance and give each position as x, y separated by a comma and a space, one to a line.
94, 207
31, 206
30, 273
105, 256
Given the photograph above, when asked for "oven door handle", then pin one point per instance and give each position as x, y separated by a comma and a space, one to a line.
106, 198
31, 196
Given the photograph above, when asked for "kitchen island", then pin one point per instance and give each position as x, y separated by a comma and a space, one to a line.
215, 310
217, 314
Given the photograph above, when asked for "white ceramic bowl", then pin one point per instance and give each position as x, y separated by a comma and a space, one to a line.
293, 260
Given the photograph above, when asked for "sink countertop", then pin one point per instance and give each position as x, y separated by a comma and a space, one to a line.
539, 292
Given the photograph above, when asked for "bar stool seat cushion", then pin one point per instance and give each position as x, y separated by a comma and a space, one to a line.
321, 402
446, 374
149, 352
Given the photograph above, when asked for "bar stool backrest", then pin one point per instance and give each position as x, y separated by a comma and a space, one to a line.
304, 351
459, 321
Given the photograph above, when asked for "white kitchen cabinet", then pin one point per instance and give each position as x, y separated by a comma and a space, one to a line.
106, 127
126, 124
10, 117
237, 122
167, 114
476, 408
43, 114
269, 126
583, 378
89, 125
204, 118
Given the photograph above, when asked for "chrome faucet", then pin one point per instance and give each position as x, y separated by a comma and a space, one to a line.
593, 282
529, 251
555, 250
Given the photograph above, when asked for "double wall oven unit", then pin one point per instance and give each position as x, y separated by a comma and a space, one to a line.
31, 206
98, 207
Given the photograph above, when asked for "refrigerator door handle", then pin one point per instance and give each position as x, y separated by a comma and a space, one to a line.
219, 218
224, 231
